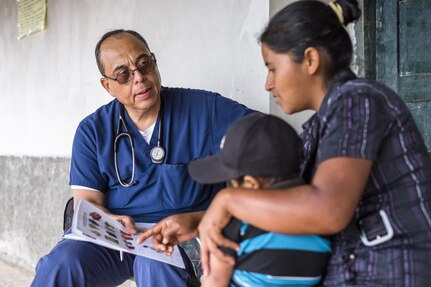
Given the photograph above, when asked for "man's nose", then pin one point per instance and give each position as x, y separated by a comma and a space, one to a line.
137, 75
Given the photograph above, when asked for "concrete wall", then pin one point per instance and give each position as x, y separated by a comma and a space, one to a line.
49, 82
33, 191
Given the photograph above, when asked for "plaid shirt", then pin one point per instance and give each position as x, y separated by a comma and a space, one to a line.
364, 119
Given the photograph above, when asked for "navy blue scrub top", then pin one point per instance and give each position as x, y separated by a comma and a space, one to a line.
194, 121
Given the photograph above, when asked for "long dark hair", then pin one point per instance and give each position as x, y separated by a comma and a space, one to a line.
310, 23
110, 34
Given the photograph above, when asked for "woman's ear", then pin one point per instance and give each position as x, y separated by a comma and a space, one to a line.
312, 60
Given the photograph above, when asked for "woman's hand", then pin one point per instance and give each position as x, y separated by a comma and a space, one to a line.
210, 232
172, 230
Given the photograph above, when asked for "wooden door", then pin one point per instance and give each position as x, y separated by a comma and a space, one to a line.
397, 49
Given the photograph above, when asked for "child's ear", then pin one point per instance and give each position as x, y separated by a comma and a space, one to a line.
251, 182
234, 183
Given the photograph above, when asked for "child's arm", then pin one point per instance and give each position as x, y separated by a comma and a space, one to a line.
220, 275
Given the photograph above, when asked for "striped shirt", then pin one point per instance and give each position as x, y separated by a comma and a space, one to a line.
273, 259
364, 119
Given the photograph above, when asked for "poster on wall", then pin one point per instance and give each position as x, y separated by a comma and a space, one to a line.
31, 17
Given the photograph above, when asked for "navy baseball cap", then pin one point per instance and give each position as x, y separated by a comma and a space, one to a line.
259, 145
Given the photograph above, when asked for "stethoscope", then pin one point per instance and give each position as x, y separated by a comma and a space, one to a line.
157, 153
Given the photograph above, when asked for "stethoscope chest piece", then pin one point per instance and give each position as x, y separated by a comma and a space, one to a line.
157, 154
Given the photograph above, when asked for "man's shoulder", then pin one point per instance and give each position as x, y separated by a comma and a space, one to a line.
103, 112
197, 98
191, 100
106, 109
187, 92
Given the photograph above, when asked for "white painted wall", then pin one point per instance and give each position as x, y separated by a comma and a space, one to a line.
49, 81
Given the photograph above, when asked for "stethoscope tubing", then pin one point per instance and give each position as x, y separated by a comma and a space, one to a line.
132, 146
121, 122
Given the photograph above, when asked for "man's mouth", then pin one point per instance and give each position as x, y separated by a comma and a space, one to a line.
145, 93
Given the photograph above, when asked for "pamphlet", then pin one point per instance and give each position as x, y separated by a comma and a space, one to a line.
93, 225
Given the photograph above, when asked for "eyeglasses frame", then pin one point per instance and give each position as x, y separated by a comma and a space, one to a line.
132, 71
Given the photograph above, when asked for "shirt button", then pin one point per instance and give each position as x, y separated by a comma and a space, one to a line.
352, 256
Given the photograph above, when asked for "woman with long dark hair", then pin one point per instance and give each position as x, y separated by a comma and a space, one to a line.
366, 164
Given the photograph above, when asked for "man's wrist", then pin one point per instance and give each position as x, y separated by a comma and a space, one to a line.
197, 217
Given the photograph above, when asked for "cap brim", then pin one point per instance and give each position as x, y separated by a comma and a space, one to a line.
211, 170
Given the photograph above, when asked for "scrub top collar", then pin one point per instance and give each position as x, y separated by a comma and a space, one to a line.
136, 135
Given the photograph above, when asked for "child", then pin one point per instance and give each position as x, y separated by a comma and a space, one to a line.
261, 151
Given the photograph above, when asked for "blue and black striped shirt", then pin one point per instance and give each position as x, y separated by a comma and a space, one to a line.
273, 259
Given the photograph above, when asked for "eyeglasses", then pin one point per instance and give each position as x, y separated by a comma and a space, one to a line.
145, 64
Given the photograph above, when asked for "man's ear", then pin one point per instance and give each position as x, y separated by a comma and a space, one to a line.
106, 85
312, 60
251, 182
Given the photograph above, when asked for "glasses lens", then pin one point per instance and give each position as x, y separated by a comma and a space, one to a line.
124, 76
145, 64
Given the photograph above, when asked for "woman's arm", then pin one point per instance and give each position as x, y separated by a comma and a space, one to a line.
325, 206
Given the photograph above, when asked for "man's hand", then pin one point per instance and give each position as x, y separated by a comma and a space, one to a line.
172, 230
127, 222
97, 199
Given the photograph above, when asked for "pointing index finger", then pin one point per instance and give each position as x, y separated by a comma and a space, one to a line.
150, 232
